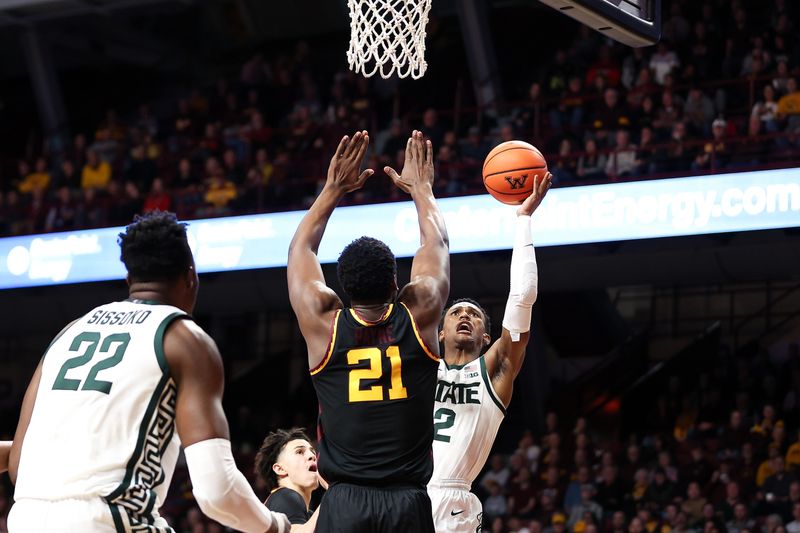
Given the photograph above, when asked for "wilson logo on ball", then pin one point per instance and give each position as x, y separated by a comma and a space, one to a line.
517, 183
511, 169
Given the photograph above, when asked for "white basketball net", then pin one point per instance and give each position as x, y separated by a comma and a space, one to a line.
388, 36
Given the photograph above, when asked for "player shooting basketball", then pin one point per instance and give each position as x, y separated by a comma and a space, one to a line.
373, 364
474, 390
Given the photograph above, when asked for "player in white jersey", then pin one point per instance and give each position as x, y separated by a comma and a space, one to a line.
474, 390
116, 393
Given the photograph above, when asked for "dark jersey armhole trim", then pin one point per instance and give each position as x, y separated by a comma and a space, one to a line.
331, 344
488, 382
418, 334
158, 343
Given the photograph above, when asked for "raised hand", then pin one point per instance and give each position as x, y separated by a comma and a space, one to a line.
343, 172
540, 188
418, 166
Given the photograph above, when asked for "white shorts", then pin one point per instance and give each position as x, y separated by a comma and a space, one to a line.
455, 509
91, 515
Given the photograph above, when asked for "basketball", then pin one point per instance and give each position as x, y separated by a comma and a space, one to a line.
510, 169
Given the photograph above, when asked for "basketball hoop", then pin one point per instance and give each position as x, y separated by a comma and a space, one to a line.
388, 37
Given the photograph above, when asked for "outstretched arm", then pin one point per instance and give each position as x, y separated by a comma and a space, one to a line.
312, 300
504, 359
221, 491
427, 292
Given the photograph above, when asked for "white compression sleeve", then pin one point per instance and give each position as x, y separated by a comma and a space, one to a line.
223, 493
524, 281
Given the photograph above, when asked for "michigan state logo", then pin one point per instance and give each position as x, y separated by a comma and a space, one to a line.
517, 183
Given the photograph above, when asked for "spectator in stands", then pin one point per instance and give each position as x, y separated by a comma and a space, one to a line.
474, 149
699, 469
106, 145
726, 499
774, 524
140, 169
573, 493
716, 153
778, 483
698, 111
789, 107
558, 523
591, 163
619, 523
128, 203
606, 66
232, 170
766, 109
569, 111
782, 76
733, 435
157, 199
610, 490
394, 140
61, 215
794, 525
767, 467
92, 209
527, 445
646, 153
694, 502
522, 495
610, 115
38, 180
622, 161
565, 166
646, 114
661, 491
498, 473
432, 127
668, 114
495, 505
66, 175
586, 505
96, 173
663, 62
559, 72
741, 522
552, 487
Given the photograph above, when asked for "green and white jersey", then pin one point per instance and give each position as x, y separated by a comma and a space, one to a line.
466, 417
103, 424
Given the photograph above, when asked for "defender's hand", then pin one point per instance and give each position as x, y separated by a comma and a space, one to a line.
343, 172
418, 166
540, 188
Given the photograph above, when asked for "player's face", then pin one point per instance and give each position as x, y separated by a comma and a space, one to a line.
464, 323
298, 460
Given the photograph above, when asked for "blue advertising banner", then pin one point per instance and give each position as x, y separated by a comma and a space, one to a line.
597, 213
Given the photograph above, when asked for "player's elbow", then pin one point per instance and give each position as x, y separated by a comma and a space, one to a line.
529, 292
213, 502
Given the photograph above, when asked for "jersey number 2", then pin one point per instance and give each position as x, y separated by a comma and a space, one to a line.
375, 370
62, 382
444, 418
